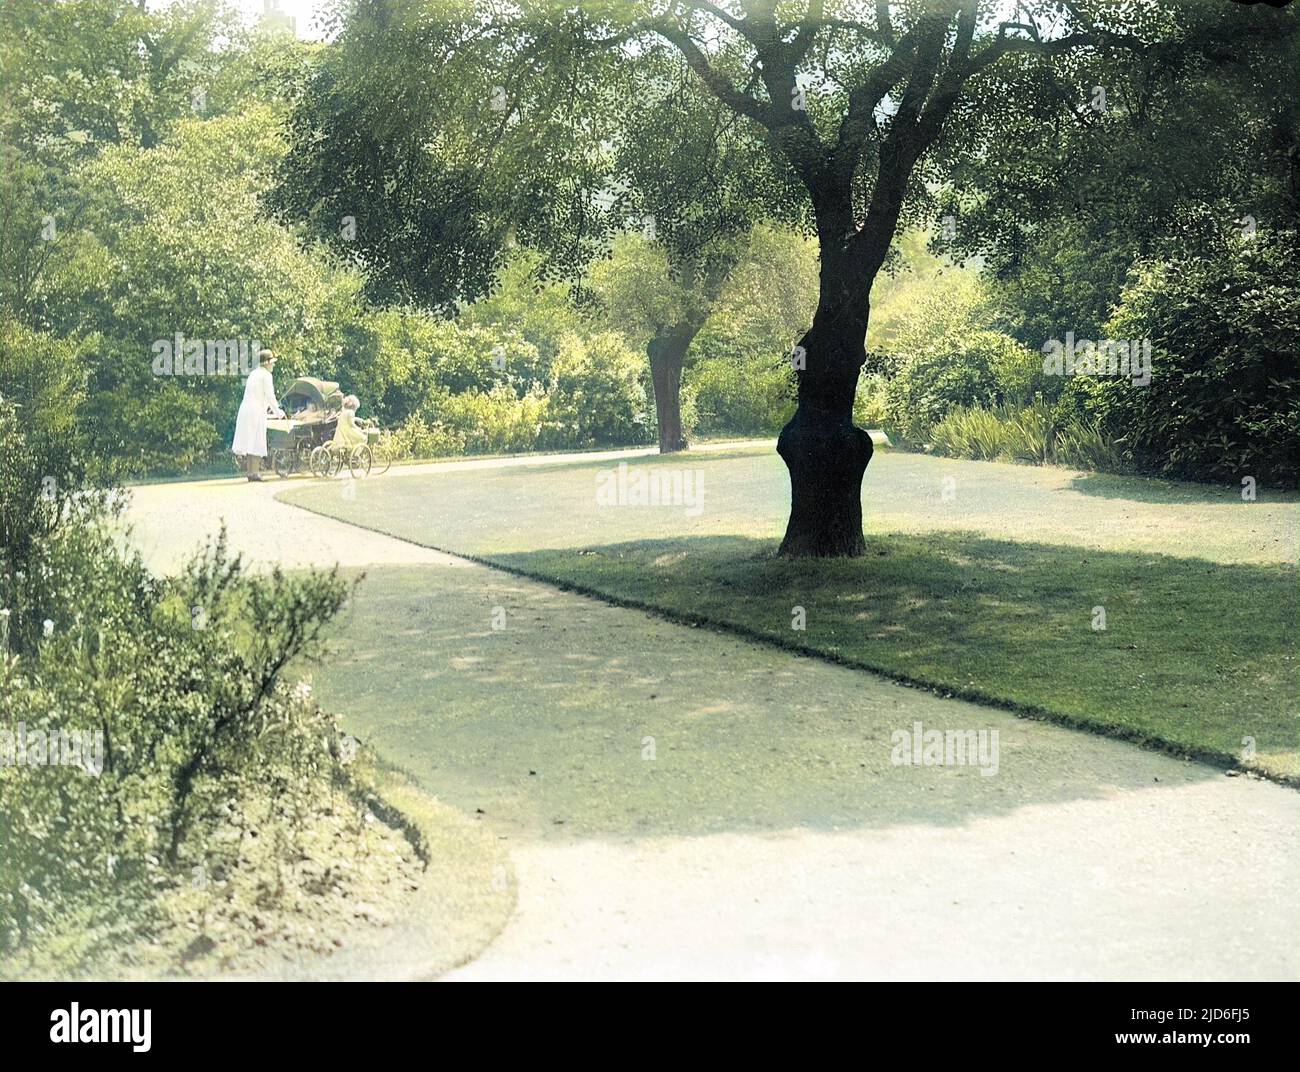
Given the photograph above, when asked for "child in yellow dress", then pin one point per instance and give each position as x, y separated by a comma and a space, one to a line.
348, 434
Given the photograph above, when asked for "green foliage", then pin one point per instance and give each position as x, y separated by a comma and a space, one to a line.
591, 394
87, 73
1069, 282
1190, 138
45, 471
870, 406
1084, 445
1034, 433
179, 682
973, 433
421, 438
449, 145
181, 248
934, 349
540, 313
635, 291
398, 361
496, 421
597, 394
930, 382
738, 384
1224, 398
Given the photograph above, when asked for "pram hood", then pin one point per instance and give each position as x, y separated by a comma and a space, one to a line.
312, 399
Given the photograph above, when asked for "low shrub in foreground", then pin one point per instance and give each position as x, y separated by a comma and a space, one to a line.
142, 721
172, 694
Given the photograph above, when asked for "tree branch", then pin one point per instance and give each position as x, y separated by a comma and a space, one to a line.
885, 24
717, 82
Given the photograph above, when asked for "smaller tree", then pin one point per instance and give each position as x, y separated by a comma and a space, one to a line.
663, 309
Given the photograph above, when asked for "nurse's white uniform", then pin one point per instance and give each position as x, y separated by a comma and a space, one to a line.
250, 425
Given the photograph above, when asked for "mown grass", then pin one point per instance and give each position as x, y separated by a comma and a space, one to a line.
989, 591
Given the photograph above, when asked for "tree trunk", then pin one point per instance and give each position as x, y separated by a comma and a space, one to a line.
667, 353
823, 450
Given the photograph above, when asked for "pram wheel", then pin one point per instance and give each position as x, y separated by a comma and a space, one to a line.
359, 461
284, 462
322, 463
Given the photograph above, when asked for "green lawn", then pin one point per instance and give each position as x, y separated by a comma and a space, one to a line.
981, 580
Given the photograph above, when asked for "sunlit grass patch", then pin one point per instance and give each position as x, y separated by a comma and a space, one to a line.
1161, 613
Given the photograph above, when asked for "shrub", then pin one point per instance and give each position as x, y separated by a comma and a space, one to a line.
972, 433
597, 394
400, 361
1082, 444
1224, 399
1033, 433
524, 307
595, 397
419, 438
869, 405
44, 461
738, 389
495, 422
180, 681
929, 383
1018, 371
183, 680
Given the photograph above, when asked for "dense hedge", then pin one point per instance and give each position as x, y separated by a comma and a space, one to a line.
969, 369
1224, 398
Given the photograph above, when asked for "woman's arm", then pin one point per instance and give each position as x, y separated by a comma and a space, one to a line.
268, 389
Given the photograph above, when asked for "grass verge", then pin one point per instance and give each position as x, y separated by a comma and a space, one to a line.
1197, 655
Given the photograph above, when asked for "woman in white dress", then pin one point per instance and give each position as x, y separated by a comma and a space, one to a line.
250, 426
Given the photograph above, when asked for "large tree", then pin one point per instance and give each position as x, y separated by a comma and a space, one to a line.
848, 100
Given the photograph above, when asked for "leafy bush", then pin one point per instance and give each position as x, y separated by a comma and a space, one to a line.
1033, 431
926, 384
523, 306
869, 405
1224, 399
738, 389
401, 362
595, 397
1018, 371
179, 684
493, 422
419, 438
932, 345
183, 681
597, 394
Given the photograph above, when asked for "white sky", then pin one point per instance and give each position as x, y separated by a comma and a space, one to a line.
302, 12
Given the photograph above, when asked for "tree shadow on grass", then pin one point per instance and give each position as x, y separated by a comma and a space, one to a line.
1188, 653
583, 718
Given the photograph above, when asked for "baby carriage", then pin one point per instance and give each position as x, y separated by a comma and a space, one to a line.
303, 440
